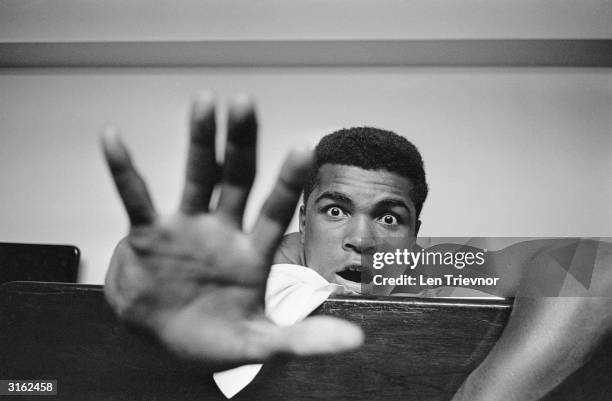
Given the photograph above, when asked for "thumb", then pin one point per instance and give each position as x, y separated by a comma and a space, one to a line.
315, 336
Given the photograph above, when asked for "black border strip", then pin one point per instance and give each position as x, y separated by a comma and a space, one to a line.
303, 53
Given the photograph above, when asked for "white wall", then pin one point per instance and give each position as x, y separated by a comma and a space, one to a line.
176, 20
508, 152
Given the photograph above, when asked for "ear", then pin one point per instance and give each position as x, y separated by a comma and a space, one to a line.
302, 222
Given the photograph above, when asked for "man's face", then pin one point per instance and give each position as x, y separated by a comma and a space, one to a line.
349, 211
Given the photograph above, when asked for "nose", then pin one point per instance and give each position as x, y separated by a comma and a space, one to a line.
359, 236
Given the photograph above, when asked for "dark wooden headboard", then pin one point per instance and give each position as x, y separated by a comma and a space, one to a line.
416, 349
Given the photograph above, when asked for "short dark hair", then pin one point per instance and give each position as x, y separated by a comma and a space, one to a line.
371, 149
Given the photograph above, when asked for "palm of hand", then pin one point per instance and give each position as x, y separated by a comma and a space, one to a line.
188, 267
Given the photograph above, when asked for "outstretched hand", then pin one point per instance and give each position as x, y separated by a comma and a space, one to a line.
194, 278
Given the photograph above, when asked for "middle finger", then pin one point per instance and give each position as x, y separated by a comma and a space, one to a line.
202, 170
239, 164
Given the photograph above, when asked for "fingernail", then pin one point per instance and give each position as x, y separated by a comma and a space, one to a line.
109, 136
240, 105
203, 103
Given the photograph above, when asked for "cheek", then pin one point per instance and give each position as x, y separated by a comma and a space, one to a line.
403, 237
321, 244
315, 228
317, 240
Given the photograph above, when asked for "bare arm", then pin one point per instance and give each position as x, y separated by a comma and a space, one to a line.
546, 338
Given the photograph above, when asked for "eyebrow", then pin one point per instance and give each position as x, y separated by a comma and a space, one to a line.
391, 203
342, 198
334, 196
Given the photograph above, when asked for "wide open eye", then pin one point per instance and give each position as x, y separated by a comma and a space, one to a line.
388, 219
335, 212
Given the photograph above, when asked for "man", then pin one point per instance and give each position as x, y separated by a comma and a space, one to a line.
366, 184
197, 282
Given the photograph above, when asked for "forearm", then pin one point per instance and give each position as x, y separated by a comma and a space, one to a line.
545, 341
548, 338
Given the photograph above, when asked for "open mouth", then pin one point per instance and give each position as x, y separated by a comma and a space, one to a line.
357, 274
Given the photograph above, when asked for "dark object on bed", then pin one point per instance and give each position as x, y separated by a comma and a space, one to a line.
38, 262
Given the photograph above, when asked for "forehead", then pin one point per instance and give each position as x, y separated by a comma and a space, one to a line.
362, 186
